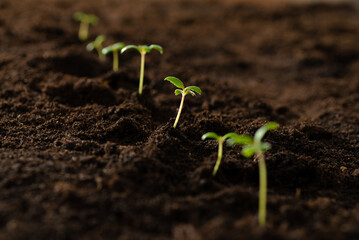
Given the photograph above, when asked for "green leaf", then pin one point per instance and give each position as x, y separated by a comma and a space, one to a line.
264, 147
156, 47
90, 46
117, 46
248, 151
178, 91
107, 50
190, 92
128, 47
78, 16
175, 81
114, 47
195, 89
239, 140
99, 40
258, 136
92, 19
210, 135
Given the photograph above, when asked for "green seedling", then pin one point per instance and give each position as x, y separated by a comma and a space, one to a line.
85, 21
184, 91
255, 146
143, 50
114, 48
97, 44
220, 140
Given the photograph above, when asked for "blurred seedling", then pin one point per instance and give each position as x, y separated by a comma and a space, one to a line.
97, 44
220, 140
114, 48
184, 91
85, 21
143, 50
255, 146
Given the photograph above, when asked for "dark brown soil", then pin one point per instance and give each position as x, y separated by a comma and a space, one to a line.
83, 157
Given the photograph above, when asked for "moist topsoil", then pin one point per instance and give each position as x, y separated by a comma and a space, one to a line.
84, 157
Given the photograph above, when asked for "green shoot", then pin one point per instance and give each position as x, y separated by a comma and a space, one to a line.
143, 50
220, 140
184, 91
255, 146
114, 48
85, 21
97, 44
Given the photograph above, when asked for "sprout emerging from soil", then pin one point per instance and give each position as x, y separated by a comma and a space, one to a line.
97, 44
85, 21
143, 50
220, 140
255, 146
184, 91
114, 48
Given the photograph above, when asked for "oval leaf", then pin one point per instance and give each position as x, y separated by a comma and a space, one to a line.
210, 135
107, 50
195, 89
100, 39
156, 47
128, 47
90, 46
248, 151
92, 19
258, 136
175, 81
178, 91
78, 16
117, 46
239, 140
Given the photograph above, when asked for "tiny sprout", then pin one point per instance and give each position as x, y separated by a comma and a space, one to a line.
220, 140
184, 91
143, 50
114, 48
85, 21
97, 44
255, 146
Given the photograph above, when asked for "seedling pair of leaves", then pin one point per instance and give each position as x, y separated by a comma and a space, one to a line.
193, 90
97, 44
143, 50
252, 146
85, 21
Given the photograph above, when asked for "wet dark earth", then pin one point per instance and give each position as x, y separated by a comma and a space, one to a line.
82, 156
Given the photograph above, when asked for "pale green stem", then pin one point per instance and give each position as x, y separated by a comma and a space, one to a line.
180, 109
83, 31
142, 72
220, 153
115, 61
100, 54
262, 189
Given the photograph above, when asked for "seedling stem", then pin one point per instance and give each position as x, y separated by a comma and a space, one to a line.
142, 71
262, 189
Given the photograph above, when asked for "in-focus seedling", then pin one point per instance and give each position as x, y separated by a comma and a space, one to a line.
220, 140
255, 146
97, 44
85, 21
114, 48
184, 91
143, 50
